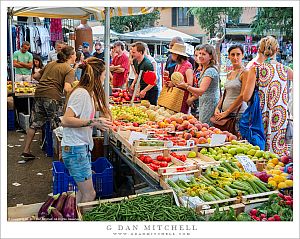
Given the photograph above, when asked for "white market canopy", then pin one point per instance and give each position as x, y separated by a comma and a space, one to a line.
78, 12
99, 32
158, 34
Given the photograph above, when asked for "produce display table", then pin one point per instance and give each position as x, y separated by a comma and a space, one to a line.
150, 181
27, 96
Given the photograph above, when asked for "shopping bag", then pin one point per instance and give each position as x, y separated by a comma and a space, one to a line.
171, 98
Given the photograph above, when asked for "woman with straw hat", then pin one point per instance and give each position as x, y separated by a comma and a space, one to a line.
185, 68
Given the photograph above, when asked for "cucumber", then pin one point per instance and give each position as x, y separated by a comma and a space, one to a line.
253, 185
173, 185
235, 166
216, 192
185, 184
208, 197
222, 169
261, 185
229, 167
225, 193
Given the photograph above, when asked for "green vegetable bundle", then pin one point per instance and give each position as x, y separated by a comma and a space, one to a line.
142, 208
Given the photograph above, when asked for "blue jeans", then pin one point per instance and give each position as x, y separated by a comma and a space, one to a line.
77, 160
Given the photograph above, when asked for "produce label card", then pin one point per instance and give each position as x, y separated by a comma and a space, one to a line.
136, 136
247, 163
217, 139
181, 176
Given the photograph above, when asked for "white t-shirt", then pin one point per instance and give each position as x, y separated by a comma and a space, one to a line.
83, 106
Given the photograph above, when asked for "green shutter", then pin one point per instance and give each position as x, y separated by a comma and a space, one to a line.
174, 16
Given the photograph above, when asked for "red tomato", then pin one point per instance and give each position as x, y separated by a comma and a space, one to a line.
167, 159
163, 164
156, 162
160, 158
142, 158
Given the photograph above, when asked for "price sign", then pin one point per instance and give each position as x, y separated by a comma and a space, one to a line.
136, 136
217, 139
247, 163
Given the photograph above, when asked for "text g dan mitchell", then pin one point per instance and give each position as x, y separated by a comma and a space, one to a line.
151, 227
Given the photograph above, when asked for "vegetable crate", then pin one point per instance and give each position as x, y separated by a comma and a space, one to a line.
11, 120
102, 178
254, 200
85, 207
23, 212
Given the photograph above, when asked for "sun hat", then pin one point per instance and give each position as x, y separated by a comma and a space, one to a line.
149, 77
179, 49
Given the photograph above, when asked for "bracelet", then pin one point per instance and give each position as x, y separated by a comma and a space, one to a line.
89, 123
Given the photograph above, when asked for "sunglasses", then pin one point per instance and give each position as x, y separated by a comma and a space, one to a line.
97, 49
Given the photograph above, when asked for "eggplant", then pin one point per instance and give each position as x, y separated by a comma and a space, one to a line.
59, 203
43, 212
69, 210
55, 214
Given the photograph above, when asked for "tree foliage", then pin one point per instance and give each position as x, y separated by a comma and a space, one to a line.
271, 20
212, 18
133, 23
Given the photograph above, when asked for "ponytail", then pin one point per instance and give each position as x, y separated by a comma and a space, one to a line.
65, 54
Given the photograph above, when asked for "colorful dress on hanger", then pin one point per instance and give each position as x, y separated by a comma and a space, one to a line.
273, 83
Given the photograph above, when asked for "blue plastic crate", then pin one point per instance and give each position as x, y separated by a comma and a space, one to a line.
11, 120
102, 178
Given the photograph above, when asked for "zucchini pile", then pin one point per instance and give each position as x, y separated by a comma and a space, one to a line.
220, 183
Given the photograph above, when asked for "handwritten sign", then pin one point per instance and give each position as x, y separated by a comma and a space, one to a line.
217, 139
181, 177
247, 163
136, 136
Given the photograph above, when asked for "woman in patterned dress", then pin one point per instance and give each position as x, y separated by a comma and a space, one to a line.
272, 84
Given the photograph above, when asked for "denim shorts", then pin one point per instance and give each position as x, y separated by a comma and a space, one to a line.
77, 160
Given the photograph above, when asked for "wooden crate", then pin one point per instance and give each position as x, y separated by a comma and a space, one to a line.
137, 148
84, 207
238, 208
254, 200
23, 212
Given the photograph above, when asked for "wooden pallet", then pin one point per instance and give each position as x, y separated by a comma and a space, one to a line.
255, 200
238, 208
84, 207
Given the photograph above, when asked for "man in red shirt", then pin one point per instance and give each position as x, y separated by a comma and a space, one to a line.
119, 66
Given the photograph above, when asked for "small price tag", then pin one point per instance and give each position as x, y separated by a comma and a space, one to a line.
217, 139
247, 163
136, 136
169, 144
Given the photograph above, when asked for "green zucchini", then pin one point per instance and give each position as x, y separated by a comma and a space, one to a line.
224, 192
230, 190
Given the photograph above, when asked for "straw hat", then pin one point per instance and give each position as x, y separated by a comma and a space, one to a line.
179, 49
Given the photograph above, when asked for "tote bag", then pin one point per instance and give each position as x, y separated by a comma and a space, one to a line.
251, 123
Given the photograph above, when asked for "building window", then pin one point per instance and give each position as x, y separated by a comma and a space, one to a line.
181, 17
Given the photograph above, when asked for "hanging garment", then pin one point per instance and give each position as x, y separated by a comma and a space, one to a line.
56, 29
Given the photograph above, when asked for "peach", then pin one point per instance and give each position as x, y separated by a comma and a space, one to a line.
187, 136
192, 121
205, 125
190, 117
198, 125
167, 121
174, 123
172, 118
203, 128
190, 126
202, 140
180, 128
184, 117
179, 121
232, 137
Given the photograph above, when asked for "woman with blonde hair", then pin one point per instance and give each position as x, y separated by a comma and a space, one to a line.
208, 83
78, 122
271, 79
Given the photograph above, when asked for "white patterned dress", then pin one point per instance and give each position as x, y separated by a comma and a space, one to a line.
273, 83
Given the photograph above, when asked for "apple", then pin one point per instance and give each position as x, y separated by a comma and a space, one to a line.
284, 159
135, 124
127, 98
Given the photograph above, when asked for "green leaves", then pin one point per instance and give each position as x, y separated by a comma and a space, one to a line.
211, 18
273, 20
133, 23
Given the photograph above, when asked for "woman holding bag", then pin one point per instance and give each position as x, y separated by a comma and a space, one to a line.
231, 105
185, 68
271, 80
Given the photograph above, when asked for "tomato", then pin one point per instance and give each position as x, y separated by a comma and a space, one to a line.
148, 160
160, 158
167, 159
156, 162
163, 164
181, 169
154, 167
142, 158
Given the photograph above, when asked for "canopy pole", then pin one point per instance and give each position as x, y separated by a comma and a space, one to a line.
12, 76
107, 61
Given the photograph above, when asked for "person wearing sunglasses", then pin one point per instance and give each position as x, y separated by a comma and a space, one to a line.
99, 53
